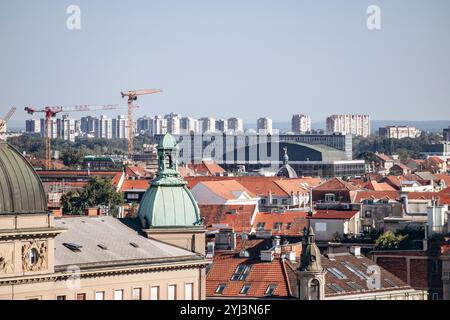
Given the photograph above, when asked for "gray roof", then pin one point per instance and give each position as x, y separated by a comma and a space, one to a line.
21, 189
90, 232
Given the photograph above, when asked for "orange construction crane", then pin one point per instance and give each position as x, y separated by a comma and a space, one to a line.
51, 112
8, 116
132, 96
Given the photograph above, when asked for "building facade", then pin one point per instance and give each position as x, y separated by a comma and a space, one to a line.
97, 258
301, 123
398, 132
358, 125
264, 126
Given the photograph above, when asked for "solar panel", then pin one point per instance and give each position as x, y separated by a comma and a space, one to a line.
390, 282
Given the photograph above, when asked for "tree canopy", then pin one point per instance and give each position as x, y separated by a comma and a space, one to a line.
99, 192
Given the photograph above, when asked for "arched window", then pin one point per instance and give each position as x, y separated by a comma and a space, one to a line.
314, 290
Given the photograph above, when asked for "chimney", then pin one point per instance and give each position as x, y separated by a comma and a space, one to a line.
276, 241
356, 251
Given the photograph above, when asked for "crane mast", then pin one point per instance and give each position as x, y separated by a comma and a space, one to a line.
132, 96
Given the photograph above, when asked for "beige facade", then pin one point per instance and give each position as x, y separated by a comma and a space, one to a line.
28, 270
349, 124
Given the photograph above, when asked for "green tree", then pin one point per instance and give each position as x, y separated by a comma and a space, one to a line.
99, 192
389, 241
73, 157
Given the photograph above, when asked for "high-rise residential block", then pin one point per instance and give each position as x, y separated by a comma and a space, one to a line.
355, 124
33, 126
207, 125
236, 124
264, 125
398, 132
103, 128
301, 123
222, 125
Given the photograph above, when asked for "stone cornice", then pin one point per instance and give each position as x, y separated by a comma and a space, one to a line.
63, 272
30, 233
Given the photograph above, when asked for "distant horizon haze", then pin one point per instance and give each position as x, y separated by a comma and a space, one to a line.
230, 58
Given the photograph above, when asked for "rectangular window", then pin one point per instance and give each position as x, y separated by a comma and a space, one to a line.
221, 288
172, 292
154, 293
118, 294
241, 272
337, 273
81, 296
188, 291
61, 298
288, 226
435, 296
245, 288
368, 214
277, 226
100, 295
330, 197
260, 226
271, 289
137, 294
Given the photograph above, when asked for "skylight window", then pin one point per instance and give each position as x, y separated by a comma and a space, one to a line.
102, 246
355, 286
245, 288
271, 289
390, 283
241, 272
355, 271
336, 288
135, 245
73, 246
337, 273
221, 288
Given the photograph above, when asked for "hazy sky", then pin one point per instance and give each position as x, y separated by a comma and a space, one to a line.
246, 58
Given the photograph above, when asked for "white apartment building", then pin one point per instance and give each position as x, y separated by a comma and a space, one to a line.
33, 126
236, 124
264, 125
355, 124
173, 125
158, 125
222, 125
207, 125
120, 127
301, 123
398, 132
188, 125
66, 128
103, 128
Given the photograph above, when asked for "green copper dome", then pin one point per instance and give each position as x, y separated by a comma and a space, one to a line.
168, 202
21, 190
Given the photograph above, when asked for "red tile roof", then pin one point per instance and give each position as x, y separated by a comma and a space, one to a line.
237, 217
334, 214
227, 189
139, 184
296, 219
378, 186
337, 184
261, 275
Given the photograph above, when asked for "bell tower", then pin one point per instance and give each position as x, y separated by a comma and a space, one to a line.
310, 274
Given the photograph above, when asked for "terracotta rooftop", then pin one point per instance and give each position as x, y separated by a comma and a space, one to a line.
237, 217
135, 184
227, 189
337, 184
